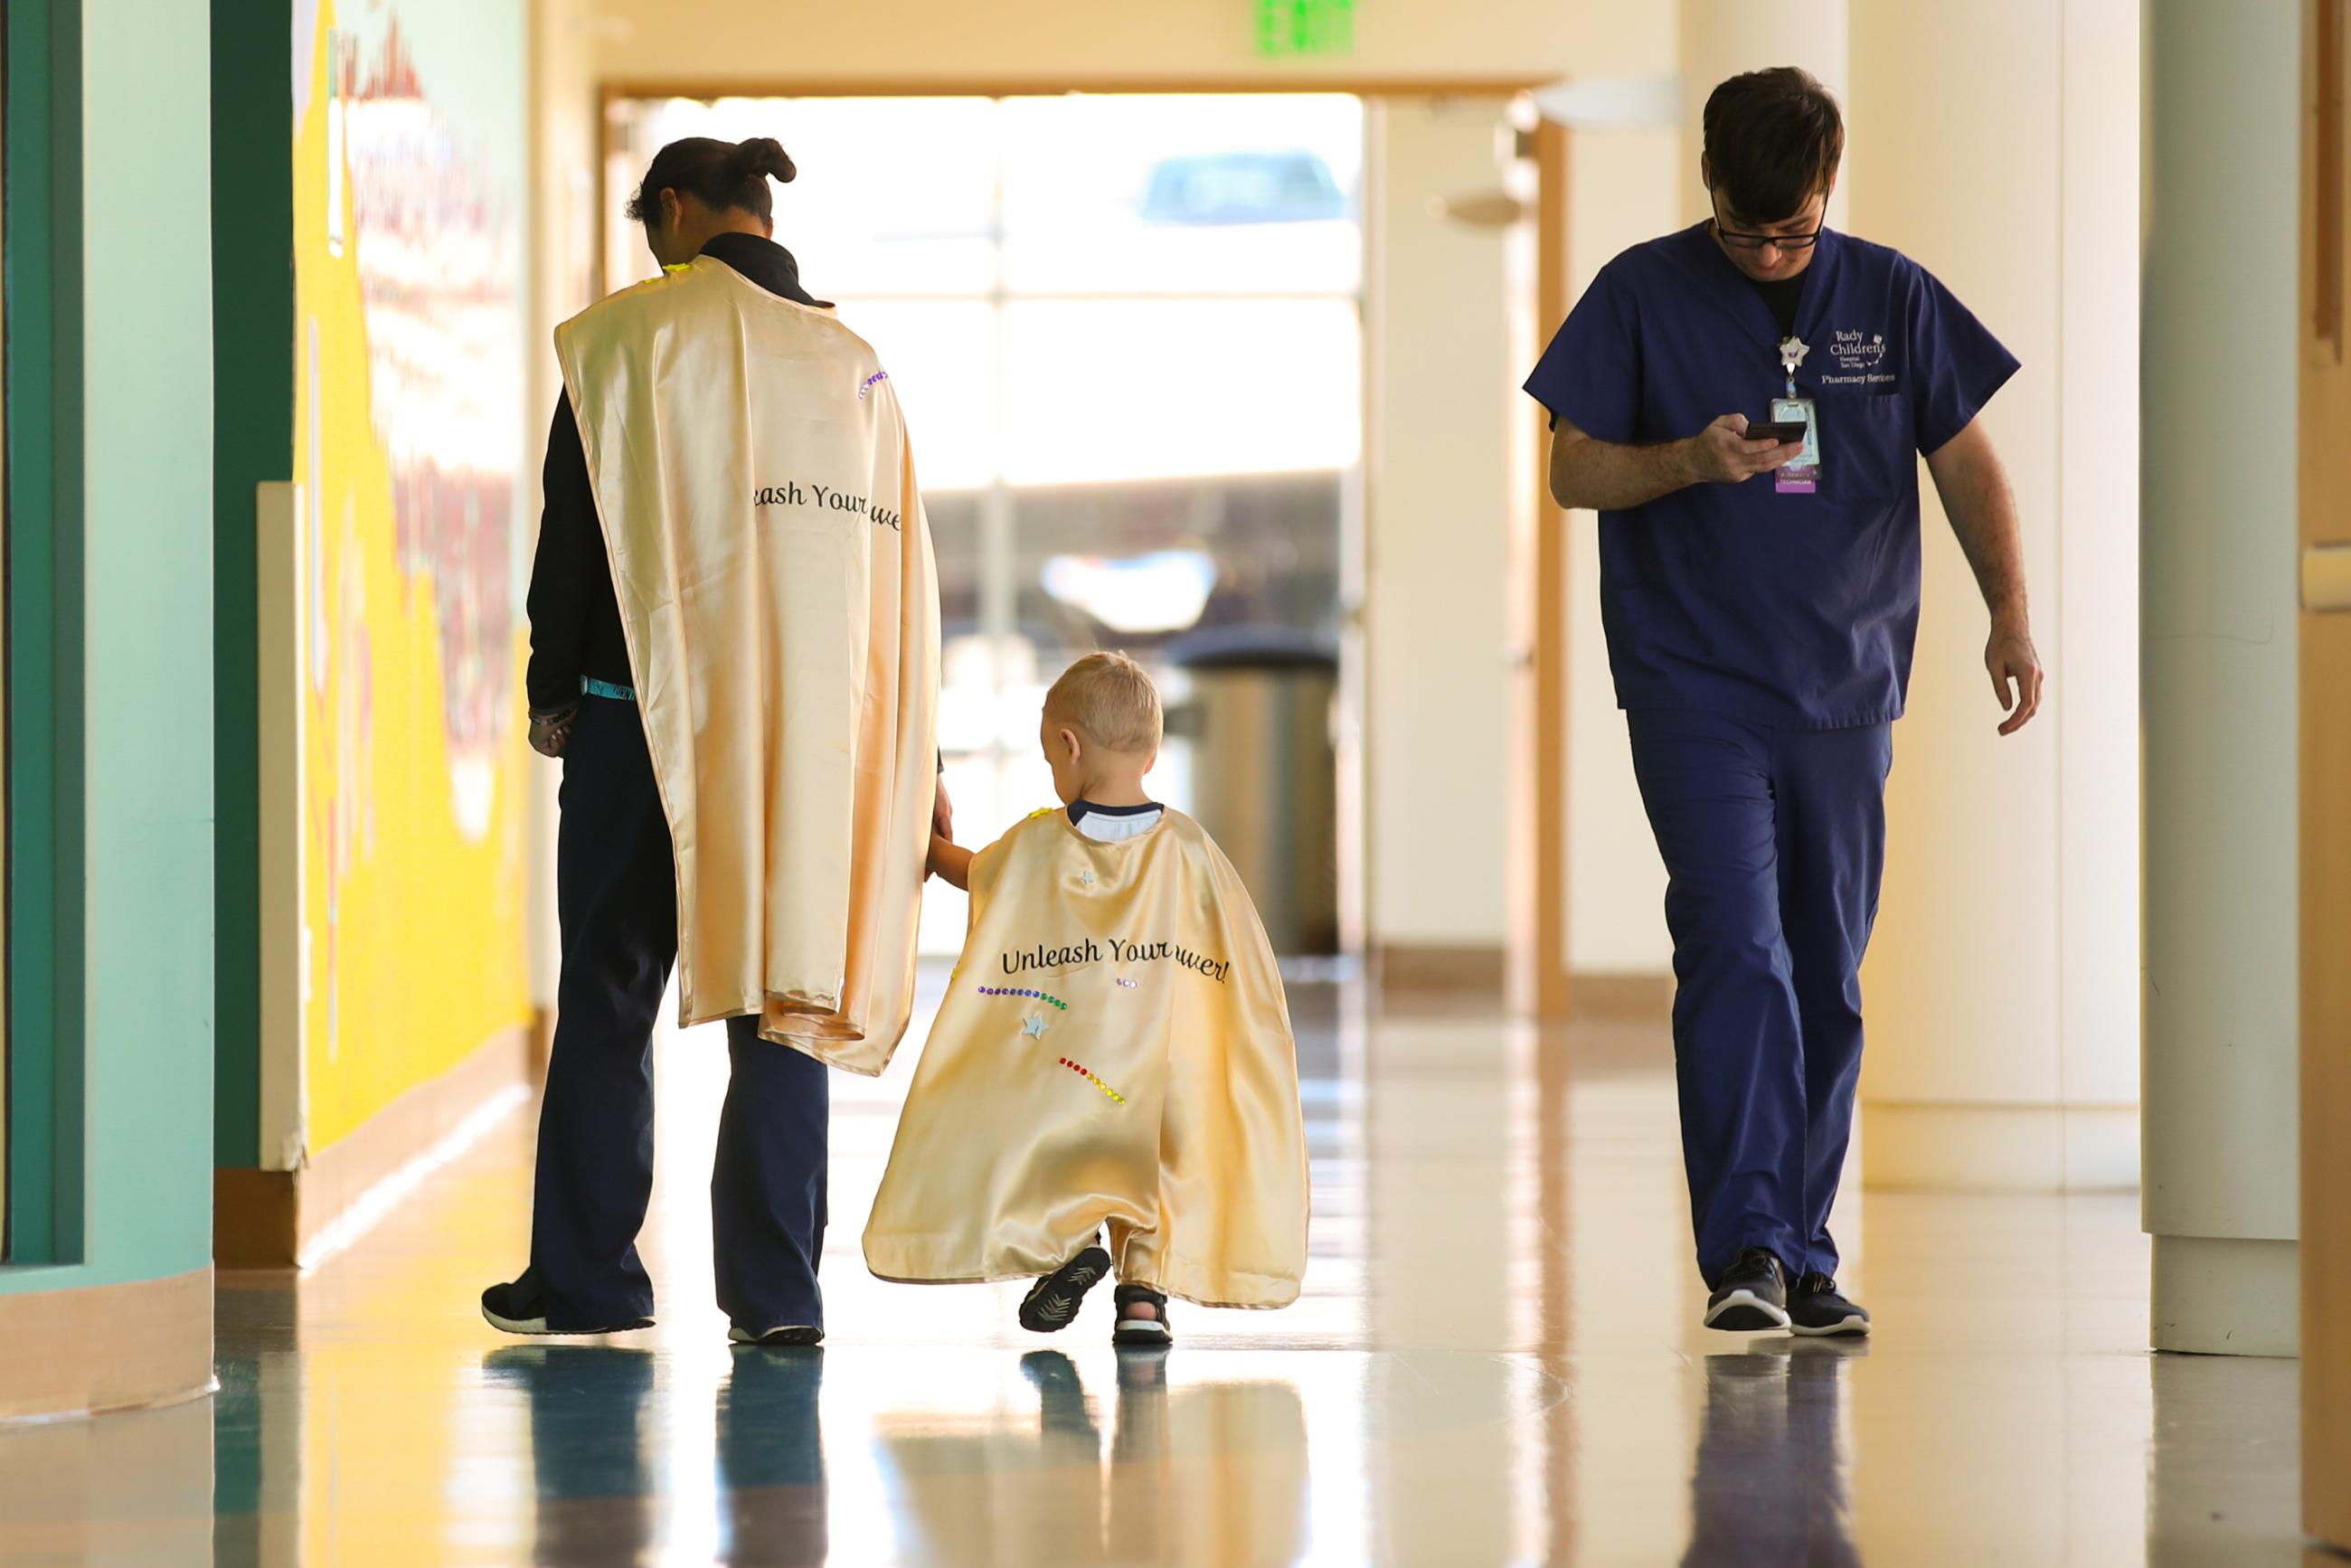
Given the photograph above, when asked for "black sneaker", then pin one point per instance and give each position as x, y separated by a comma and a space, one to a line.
1052, 1304
1753, 1295
519, 1308
1815, 1307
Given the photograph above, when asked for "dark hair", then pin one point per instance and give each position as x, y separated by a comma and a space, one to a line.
1773, 140
721, 175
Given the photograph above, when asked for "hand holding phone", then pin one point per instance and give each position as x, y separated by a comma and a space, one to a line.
1730, 451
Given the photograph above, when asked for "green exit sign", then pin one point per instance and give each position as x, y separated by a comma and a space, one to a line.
1287, 28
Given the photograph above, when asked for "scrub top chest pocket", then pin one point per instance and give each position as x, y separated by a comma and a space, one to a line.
1869, 447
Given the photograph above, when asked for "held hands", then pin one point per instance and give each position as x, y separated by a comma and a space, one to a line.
2016, 673
1721, 453
550, 733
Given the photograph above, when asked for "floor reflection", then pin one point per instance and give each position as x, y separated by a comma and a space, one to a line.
1496, 1362
592, 1477
1769, 1488
1213, 1474
771, 1458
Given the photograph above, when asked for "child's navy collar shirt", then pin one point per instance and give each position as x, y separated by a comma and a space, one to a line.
1790, 609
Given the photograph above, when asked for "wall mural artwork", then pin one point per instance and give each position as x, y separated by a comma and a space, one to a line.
411, 185
440, 266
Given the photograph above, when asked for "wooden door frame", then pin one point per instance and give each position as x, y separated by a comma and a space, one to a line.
1539, 944
2323, 859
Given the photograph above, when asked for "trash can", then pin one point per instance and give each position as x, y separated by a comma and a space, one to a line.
1264, 772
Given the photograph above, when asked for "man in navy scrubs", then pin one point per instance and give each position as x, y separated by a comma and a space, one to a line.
1760, 599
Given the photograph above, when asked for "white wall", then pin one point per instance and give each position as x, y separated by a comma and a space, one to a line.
2221, 695
1440, 392
2002, 980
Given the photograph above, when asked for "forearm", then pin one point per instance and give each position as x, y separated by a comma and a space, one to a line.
1982, 505
1598, 476
951, 862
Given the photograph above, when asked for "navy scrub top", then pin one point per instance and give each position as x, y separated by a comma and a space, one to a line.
1794, 611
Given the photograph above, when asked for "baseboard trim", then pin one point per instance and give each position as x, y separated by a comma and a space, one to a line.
1621, 997
1429, 970
1999, 1148
272, 1219
95, 1349
2225, 1295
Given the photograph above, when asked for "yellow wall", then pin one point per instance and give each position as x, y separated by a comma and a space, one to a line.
409, 280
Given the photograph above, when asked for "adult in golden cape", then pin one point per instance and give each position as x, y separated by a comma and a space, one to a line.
734, 650
1114, 1054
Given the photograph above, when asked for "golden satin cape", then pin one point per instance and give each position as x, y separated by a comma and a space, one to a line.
774, 570
1114, 1050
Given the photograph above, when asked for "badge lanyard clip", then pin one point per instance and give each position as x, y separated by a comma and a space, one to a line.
1800, 477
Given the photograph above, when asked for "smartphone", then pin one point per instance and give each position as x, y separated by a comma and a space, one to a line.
1791, 430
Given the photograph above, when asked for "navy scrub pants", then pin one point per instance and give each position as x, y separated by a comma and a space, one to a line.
1773, 841
616, 895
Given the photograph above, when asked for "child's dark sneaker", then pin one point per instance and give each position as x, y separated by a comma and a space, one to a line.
1816, 1307
1142, 1318
1752, 1296
1052, 1304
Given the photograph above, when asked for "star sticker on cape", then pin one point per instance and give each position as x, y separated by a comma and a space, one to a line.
1033, 1025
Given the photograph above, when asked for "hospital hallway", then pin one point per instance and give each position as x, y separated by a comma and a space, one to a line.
1497, 1360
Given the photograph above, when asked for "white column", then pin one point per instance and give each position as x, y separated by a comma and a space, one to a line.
1442, 391
1996, 144
2220, 679
1723, 38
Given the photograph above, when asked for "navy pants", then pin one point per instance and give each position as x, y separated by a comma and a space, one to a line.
616, 893
1773, 841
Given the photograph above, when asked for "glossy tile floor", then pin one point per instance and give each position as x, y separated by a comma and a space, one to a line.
1496, 1361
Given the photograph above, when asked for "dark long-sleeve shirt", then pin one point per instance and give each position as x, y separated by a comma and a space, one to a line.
575, 615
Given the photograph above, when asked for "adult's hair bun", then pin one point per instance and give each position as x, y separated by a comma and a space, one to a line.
765, 155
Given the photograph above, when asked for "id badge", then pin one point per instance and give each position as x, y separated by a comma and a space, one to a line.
1803, 476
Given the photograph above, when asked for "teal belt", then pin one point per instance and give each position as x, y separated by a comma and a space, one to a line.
607, 689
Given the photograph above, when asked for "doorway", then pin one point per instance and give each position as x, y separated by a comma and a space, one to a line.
1098, 310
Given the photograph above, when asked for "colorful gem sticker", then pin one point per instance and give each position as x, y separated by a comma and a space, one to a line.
1130, 985
1116, 1098
1050, 1002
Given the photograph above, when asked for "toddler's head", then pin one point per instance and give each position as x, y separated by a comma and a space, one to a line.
1101, 729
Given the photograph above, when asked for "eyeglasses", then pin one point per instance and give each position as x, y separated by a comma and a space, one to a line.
1738, 240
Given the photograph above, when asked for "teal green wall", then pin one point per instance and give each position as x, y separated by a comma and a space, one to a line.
130, 755
253, 441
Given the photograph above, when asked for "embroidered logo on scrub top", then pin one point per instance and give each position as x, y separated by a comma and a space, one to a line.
1859, 358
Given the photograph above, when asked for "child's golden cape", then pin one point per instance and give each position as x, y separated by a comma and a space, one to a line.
752, 474
1114, 1050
